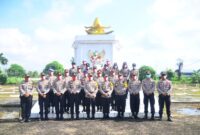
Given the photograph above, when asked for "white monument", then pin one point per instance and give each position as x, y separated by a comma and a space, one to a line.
96, 47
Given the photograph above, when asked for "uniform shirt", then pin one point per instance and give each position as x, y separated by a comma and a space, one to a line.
125, 72
164, 86
74, 86
106, 88
113, 79
83, 81
59, 86
95, 76
72, 71
120, 87
91, 88
79, 76
148, 86
106, 72
99, 80
66, 81
51, 80
26, 87
134, 87
43, 86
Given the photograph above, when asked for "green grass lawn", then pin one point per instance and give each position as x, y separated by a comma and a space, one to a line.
179, 91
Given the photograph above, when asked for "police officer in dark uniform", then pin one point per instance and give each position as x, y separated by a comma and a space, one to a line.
164, 88
26, 96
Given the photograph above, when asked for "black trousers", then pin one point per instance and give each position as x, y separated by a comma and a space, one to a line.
44, 104
99, 101
148, 98
121, 103
113, 100
66, 101
82, 98
90, 102
59, 102
135, 103
106, 105
26, 105
74, 100
167, 101
51, 98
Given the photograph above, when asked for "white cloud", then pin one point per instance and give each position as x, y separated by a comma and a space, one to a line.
93, 5
58, 13
15, 42
173, 33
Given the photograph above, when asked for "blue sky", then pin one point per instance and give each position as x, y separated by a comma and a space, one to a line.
151, 32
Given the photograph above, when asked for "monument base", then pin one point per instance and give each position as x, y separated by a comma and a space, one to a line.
35, 110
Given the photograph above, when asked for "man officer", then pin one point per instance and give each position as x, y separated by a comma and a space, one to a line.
120, 95
66, 79
164, 88
43, 89
134, 87
59, 90
91, 88
51, 78
74, 87
148, 87
26, 95
106, 90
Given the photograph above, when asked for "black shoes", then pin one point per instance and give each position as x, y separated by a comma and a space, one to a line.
22, 121
145, 116
169, 119
27, 120
152, 117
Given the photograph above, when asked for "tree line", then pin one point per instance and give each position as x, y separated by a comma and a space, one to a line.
14, 74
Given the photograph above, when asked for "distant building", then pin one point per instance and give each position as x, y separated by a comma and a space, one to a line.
187, 73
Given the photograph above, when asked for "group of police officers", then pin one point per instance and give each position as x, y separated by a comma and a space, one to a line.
95, 90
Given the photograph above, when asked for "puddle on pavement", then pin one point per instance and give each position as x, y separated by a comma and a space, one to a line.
189, 111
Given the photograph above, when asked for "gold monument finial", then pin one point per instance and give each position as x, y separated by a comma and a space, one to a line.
97, 28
